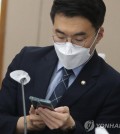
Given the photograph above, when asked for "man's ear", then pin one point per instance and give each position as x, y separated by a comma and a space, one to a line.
100, 34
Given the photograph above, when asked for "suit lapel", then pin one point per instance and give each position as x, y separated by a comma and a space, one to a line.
83, 83
45, 69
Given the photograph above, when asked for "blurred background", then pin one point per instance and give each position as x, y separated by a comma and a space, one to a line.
28, 23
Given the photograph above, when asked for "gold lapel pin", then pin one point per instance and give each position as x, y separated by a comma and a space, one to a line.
83, 82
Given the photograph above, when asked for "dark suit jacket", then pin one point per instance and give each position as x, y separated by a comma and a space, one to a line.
98, 100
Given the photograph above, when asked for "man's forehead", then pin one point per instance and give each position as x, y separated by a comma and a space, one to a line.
72, 26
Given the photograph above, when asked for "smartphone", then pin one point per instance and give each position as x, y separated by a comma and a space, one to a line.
36, 102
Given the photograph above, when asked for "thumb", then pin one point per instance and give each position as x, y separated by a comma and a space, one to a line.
32, 110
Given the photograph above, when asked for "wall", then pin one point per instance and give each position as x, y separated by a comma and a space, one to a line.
28, 23
22, 27
110, 44
3, 7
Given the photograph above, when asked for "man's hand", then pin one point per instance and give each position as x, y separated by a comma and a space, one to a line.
59, 118
34, 122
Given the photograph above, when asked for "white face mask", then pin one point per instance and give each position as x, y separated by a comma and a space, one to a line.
72, 56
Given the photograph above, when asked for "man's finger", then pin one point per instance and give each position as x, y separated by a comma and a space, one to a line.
64, 109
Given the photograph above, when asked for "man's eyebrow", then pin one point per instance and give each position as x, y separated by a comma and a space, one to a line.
58, 31
76, 34
80, 33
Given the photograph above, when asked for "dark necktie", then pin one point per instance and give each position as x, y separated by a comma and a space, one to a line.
61, 87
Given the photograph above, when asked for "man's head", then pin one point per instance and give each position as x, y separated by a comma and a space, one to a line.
78, 22
78, 19
93, 10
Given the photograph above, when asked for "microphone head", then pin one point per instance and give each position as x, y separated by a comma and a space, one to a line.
20, 76
101, 130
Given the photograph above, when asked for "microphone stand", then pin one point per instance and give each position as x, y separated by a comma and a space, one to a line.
24, 106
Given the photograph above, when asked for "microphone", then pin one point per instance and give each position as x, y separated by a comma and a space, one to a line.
101, 130
23, 78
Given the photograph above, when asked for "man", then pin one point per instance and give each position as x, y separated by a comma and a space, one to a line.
92, 95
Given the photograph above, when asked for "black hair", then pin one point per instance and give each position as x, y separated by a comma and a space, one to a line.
93, 10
